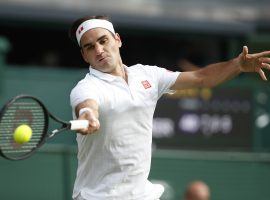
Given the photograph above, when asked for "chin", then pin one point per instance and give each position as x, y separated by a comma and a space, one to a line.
106, 68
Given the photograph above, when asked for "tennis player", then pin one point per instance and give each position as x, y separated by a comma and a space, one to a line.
114, 153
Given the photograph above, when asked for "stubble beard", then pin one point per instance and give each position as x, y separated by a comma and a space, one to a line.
107, 67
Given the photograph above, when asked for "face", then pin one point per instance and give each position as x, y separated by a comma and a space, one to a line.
100, 48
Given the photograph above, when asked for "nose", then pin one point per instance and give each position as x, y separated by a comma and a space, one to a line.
99, 49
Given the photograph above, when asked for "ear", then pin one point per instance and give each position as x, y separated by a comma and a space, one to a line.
84, 56
118, 39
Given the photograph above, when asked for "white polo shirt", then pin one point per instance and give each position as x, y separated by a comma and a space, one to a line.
114, 162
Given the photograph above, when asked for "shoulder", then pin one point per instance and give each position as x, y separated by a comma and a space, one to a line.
84, 84
143, 68
85, 89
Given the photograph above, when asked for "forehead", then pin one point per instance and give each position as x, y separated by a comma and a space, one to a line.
93, 34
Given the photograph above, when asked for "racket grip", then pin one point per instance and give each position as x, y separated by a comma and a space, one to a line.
78, 124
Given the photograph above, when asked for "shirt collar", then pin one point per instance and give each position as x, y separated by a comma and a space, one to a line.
102, 75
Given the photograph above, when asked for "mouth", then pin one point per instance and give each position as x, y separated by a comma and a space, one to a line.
101, 59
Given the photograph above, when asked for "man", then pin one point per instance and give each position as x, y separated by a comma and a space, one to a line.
114, 152
197, 190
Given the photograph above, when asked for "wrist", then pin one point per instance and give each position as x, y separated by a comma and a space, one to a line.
85, 109
237, 63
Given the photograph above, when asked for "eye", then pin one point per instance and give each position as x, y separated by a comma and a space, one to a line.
103, 41
90, 47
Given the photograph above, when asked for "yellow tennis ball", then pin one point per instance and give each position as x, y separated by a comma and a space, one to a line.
22, 134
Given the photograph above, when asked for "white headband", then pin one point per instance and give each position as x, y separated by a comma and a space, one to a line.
93, 23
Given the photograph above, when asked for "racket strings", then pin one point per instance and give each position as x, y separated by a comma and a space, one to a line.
22, 111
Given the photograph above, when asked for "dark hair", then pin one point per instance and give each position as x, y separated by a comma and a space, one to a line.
78, 22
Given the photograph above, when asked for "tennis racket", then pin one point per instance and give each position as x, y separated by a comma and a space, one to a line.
29, 110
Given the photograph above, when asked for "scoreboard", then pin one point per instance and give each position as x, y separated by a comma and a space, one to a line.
218, 119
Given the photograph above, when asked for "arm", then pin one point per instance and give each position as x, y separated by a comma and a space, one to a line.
217, 73
186, 65
91, 114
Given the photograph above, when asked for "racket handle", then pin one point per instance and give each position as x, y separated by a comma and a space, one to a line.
78, 124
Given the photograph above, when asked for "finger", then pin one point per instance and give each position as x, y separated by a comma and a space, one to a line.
94, 125
261, 54
94, 122
90, 130
97, 124
266, 66
262, 74
83, 131
265, 60
245, 50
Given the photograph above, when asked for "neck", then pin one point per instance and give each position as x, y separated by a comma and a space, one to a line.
120, 71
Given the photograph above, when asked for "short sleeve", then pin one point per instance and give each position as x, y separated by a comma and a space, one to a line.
164, 78
82, 91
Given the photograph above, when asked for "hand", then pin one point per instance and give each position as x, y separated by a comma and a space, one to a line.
254, 62
94, 124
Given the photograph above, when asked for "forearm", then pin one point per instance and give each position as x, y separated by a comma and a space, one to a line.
218, 73
208, 76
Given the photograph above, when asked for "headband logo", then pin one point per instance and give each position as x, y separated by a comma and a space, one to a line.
81, 29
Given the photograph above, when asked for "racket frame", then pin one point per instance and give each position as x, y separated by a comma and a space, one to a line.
45, 134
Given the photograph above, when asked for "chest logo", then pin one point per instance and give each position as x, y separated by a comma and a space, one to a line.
146, 84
